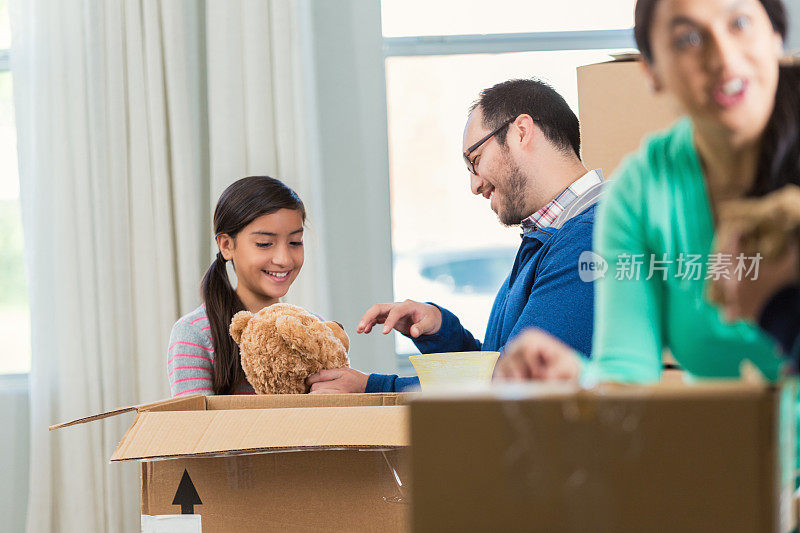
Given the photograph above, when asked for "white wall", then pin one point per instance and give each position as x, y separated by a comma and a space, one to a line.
14, 420
351, 102
793, 42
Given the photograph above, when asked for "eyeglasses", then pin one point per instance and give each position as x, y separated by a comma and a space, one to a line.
471, 162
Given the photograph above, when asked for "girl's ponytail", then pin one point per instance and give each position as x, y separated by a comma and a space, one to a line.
221, 304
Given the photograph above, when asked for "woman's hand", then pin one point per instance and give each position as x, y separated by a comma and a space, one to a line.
536, 355
746, 298
337, 381
762, 234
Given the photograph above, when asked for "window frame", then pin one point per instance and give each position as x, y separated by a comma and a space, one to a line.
500, 43
13, 381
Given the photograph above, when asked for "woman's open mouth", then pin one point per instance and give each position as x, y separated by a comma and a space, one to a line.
731, 92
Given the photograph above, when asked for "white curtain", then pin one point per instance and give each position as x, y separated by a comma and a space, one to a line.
262, 112
132, 116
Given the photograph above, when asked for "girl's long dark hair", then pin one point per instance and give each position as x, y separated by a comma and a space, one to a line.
779, 159
240, 204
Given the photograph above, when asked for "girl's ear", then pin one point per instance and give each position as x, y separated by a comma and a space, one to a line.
226, 245
238, 323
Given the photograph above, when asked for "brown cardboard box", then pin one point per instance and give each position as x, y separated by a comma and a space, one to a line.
622, 459
617, 110
268, 463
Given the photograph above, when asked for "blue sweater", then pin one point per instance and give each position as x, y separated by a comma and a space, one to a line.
543, 291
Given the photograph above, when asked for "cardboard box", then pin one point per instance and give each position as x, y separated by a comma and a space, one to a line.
265, 463
617, 110
661, 458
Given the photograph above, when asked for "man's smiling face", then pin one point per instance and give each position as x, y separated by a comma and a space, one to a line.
497, 176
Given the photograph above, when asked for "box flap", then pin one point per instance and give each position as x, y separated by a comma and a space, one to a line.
196, 433
274, 401
92, 418
546, 390
195, 401
627, 56
789, 58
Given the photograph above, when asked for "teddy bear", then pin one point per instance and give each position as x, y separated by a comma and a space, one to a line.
767, 225
282, 344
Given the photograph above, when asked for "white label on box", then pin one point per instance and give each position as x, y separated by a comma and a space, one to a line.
171, 523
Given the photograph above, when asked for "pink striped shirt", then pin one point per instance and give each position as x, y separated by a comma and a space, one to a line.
190, 357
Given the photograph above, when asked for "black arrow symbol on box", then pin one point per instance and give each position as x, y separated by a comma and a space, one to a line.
186, 496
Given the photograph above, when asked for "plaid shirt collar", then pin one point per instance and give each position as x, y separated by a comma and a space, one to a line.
545, 216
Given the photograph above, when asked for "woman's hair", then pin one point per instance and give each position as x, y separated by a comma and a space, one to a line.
779, 159
240, 204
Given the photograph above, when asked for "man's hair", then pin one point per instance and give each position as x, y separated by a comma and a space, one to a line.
533, 97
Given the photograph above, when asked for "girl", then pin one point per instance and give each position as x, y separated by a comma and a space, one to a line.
258, 223
719, 58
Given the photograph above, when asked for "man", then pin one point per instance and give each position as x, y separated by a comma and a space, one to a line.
521, 147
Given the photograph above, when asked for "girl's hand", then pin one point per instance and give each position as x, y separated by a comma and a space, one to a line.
536, 355
337, 381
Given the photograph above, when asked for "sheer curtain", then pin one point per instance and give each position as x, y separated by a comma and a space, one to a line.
262, 115
132, 116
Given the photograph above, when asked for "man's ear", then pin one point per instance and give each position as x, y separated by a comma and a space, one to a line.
651, 76
226, 245
522, 130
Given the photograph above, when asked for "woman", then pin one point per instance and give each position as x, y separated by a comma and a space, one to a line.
719, 58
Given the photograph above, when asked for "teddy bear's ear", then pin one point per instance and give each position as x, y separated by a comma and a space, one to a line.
238, 323
339, 333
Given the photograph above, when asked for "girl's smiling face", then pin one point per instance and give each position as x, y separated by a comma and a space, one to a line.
267, 255
720, 59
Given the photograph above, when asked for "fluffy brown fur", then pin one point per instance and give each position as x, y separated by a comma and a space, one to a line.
283, 344
765, 225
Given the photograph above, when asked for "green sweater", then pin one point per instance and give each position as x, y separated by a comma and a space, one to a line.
658, 207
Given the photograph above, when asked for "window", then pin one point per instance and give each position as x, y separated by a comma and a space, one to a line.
14, 315
5, 28
411, 18
448, 245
